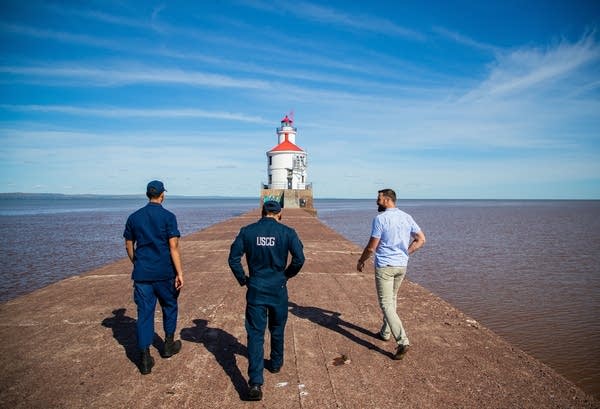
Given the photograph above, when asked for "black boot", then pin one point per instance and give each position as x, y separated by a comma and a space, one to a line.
146, 362
171, 347
255, 393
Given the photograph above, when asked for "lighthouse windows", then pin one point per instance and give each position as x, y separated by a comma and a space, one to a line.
270, 161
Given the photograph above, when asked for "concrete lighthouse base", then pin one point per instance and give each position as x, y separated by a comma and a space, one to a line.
290, 198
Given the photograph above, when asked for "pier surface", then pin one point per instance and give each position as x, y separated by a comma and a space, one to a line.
73, 343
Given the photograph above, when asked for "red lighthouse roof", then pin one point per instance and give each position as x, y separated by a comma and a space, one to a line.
287, 119
286, 146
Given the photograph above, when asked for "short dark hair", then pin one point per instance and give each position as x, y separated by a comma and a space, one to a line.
153, 195
388, 193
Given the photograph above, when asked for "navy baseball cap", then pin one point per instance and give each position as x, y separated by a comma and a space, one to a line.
272, 206
155, 187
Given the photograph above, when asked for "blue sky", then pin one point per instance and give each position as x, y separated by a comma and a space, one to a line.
461, 99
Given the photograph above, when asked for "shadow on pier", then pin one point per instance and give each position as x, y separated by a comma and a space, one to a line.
332, 321
224, 347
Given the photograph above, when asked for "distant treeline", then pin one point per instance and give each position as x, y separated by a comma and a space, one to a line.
19, 195
58, 196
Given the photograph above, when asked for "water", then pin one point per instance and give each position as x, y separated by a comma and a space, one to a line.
46, 240
528, 270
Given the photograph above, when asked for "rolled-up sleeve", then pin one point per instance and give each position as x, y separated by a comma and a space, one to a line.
172, 230
128, 233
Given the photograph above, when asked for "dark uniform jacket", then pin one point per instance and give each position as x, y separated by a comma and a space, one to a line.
266, 244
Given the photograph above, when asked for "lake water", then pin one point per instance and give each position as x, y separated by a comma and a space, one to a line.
528, 270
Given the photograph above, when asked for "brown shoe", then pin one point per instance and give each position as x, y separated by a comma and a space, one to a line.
400, 352
384, 338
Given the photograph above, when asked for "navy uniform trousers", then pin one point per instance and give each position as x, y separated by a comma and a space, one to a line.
145, 295
260, 314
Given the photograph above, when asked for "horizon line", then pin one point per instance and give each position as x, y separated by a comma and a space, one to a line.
141, 195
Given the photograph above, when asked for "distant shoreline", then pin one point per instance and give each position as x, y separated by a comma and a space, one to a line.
59, 196
64, 196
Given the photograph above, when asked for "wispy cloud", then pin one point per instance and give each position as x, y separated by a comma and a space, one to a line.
319, 61
464, 40
118, 112
116, 76
341, 19
104, 17
318, 86
525, 69
365, 22
62, 36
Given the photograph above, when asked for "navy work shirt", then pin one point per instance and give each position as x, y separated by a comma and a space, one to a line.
150, 229
266, 244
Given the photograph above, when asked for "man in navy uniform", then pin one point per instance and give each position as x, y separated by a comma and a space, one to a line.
152, 244
266, 245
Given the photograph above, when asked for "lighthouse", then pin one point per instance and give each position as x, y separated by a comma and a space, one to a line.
287, 170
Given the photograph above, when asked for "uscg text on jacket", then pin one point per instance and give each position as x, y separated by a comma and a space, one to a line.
265, 241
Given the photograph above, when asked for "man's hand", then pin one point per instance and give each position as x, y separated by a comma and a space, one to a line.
417, 243
367, 252
178, 281
176, 258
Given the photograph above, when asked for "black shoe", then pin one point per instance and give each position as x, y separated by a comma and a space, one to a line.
146, 362
254, 393
400, 352
171, 347
273, 369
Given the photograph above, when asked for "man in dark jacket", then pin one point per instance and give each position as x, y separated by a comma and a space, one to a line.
152, 244
266, 245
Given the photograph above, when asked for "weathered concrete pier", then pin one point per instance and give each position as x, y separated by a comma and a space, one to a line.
73, 344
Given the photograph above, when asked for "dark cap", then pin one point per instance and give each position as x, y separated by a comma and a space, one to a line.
155, 188
272, 206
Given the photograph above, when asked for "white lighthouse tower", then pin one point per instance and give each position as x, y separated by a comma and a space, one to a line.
287, 169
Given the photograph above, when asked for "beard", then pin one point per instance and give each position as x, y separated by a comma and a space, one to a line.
380, 208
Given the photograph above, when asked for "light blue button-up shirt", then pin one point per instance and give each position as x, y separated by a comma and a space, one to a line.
394, 229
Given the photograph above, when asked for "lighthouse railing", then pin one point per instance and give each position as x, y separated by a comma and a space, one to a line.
283, 186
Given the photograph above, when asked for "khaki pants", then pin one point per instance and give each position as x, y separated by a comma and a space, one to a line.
387, 281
